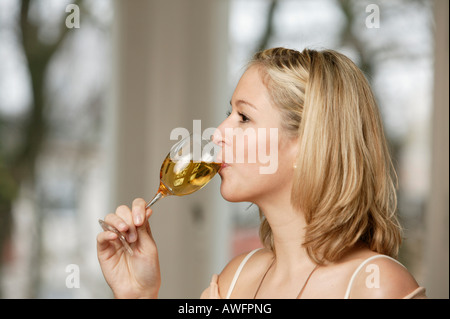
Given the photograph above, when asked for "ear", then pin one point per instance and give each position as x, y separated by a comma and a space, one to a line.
293, 150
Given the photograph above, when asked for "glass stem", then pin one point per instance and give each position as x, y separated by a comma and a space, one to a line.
158, 196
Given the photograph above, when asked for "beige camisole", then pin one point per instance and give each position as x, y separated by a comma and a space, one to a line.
212, 292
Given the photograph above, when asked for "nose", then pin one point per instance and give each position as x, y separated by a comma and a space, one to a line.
217, 137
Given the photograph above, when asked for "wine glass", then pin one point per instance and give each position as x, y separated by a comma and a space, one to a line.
189, 166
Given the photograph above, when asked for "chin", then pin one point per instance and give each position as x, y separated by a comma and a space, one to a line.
231, 194
239, 185
235, 193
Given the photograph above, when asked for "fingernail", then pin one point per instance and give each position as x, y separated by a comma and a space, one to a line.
138, 219
132, 237
111, 236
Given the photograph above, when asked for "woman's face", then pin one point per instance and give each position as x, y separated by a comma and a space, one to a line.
257, 155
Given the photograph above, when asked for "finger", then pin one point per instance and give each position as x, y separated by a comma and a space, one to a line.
138, 211
106, 244
117, 222
124, 213
146, 242
148, 214
104, 238
144, 231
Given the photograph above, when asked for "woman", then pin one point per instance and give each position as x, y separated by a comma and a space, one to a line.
328, 212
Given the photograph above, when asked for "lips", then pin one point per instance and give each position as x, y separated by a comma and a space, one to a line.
223, 166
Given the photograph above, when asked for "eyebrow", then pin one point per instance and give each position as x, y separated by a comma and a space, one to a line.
245, 102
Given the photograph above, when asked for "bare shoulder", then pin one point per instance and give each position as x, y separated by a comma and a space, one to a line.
227, 274
382, 278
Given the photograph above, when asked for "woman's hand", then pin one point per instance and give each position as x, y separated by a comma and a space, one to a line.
136, 276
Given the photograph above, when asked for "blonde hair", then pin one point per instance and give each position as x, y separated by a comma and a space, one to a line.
344, 181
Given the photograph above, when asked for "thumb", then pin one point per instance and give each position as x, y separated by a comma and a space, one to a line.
145, 237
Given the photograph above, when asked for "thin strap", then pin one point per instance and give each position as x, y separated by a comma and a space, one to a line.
418, 293
301, 290
350, 284
264, 276
306, 282
238, 272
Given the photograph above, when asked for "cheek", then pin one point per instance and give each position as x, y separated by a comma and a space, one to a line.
245, 183
253, 167
239, 182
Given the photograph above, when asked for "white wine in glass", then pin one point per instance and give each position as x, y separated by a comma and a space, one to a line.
189, 166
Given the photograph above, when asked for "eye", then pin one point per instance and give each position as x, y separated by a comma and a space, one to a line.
244, 118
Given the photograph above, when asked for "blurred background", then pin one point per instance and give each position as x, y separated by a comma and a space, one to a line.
88, 99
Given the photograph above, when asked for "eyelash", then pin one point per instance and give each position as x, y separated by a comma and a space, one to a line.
244, 118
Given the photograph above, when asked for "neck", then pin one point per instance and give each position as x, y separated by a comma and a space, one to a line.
288, 231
